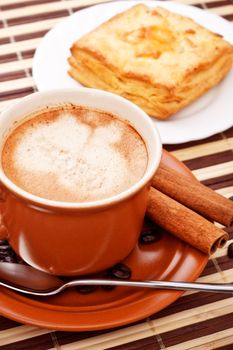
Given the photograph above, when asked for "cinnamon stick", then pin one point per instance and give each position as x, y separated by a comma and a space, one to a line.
194, 195
184, 223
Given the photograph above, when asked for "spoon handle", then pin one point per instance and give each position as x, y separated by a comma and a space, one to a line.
204, 287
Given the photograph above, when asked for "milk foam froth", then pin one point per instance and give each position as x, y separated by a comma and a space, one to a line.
74, 154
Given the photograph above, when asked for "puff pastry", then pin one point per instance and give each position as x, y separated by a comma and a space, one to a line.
160, 60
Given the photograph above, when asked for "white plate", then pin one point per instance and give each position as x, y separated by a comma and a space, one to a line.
210, 114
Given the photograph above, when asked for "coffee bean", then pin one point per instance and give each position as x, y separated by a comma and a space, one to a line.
120, 271
150, 236
230, 251
6, 253
8, 259
86, 289
107, 276
5, 247
3, 242
231, 198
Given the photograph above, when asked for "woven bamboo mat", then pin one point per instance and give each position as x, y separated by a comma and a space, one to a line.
197, 320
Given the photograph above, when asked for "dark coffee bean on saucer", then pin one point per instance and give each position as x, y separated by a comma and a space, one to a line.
230, 251
7, 254
231, 198
86, 289
107, 275
5, 247
8, 259
150, 235
4, 253
3, 243
120, 271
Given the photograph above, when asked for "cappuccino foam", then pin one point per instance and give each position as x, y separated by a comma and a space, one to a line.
74, 154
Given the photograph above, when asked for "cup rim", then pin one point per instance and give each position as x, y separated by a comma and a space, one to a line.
149, 173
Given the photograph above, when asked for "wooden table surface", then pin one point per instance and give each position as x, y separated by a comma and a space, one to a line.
196, 320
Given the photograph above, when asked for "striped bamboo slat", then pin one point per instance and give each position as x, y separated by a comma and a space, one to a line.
20, 333
47, 7
222, 10
10, 67
28, 28
196, 321
214, 171
205, 149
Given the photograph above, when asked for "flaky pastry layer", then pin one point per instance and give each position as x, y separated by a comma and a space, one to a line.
159, 60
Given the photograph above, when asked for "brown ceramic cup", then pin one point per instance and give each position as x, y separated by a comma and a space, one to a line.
76, 238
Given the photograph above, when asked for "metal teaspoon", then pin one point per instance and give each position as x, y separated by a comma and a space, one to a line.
28, 280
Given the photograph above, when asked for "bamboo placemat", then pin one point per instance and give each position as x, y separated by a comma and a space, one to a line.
197, 320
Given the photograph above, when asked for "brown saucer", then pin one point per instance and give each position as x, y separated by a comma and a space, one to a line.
168, 258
